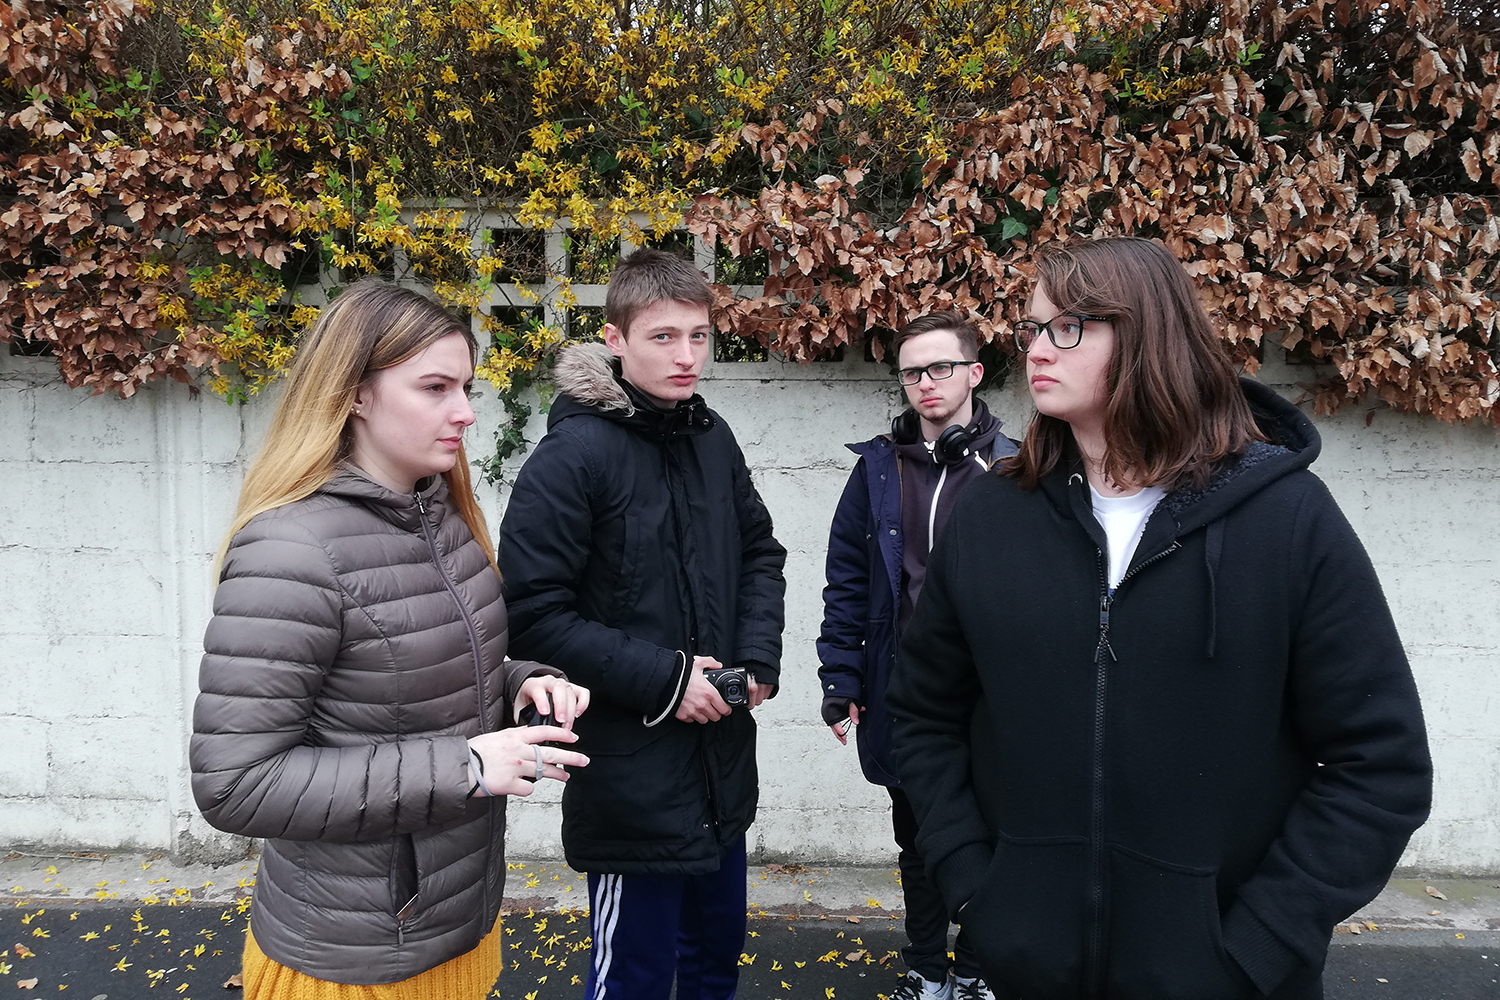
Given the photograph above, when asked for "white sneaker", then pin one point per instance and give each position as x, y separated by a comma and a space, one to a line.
914, 987
971, 989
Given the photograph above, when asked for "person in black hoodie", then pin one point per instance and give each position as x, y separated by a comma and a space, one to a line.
636, 550
1152, 711
896, 503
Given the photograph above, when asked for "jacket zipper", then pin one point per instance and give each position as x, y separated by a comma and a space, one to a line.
1096, 810
668, 462
462, 608
402, 916
891, 527
1096, 823
474, 645
708, 778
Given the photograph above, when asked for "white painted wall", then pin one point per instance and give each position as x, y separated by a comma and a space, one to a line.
117, 507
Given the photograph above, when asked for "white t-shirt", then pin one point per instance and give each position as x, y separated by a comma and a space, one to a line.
1124, 521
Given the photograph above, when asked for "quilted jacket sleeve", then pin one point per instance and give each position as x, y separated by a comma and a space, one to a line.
276, 629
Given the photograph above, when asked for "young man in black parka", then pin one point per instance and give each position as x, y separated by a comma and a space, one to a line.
638, 557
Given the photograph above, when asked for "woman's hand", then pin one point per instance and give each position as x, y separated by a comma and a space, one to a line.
514, 760
568, 700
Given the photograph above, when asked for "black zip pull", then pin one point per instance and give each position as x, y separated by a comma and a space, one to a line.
1105, 601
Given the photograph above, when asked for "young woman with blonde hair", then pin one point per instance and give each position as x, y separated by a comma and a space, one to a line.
356, 707
1158, 729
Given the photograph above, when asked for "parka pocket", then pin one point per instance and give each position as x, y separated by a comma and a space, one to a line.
1165, 941
647, 794
630, 571
1026, 920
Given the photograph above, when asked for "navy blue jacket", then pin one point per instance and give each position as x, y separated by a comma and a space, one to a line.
857, 645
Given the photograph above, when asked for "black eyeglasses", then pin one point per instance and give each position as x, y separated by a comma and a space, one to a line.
1065, 331
937, 371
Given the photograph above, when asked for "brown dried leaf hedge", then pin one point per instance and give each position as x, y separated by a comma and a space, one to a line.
1328, 172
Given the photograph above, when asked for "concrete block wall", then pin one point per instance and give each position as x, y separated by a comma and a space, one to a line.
1424, 498
118, 507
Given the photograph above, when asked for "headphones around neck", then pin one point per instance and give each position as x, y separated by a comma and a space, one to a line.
952, 446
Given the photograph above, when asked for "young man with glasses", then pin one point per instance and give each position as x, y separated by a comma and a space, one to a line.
891, 513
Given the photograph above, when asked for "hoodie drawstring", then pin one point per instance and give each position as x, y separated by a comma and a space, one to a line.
932, 511
1211, 553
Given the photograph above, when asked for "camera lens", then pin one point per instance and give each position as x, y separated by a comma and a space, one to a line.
732, 685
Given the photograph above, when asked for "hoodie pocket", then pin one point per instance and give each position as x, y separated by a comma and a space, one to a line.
1165, 941
1026, 919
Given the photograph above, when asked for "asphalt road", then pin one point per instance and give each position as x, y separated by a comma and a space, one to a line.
89, 951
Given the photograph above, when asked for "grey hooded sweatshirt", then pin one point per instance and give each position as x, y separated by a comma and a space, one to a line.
358, 641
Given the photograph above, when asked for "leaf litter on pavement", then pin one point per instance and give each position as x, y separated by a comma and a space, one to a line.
184, 946
170, 938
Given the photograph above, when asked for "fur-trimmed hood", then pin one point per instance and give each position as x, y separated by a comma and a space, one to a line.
589, 384
589, 374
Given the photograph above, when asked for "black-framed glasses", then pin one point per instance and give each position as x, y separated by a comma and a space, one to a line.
937, 371
1065, 331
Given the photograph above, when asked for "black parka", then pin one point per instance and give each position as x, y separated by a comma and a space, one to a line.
634, 540
1177, 790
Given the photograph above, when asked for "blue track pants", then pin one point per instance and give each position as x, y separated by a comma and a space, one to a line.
648, 929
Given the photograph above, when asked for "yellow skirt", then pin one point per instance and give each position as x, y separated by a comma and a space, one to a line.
468, 977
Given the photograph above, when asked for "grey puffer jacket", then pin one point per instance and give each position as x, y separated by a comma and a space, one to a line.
358, 641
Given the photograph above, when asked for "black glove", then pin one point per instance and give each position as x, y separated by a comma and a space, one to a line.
835, 709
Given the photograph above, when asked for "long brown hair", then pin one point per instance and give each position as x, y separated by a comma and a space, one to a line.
371, 326
1175, 406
